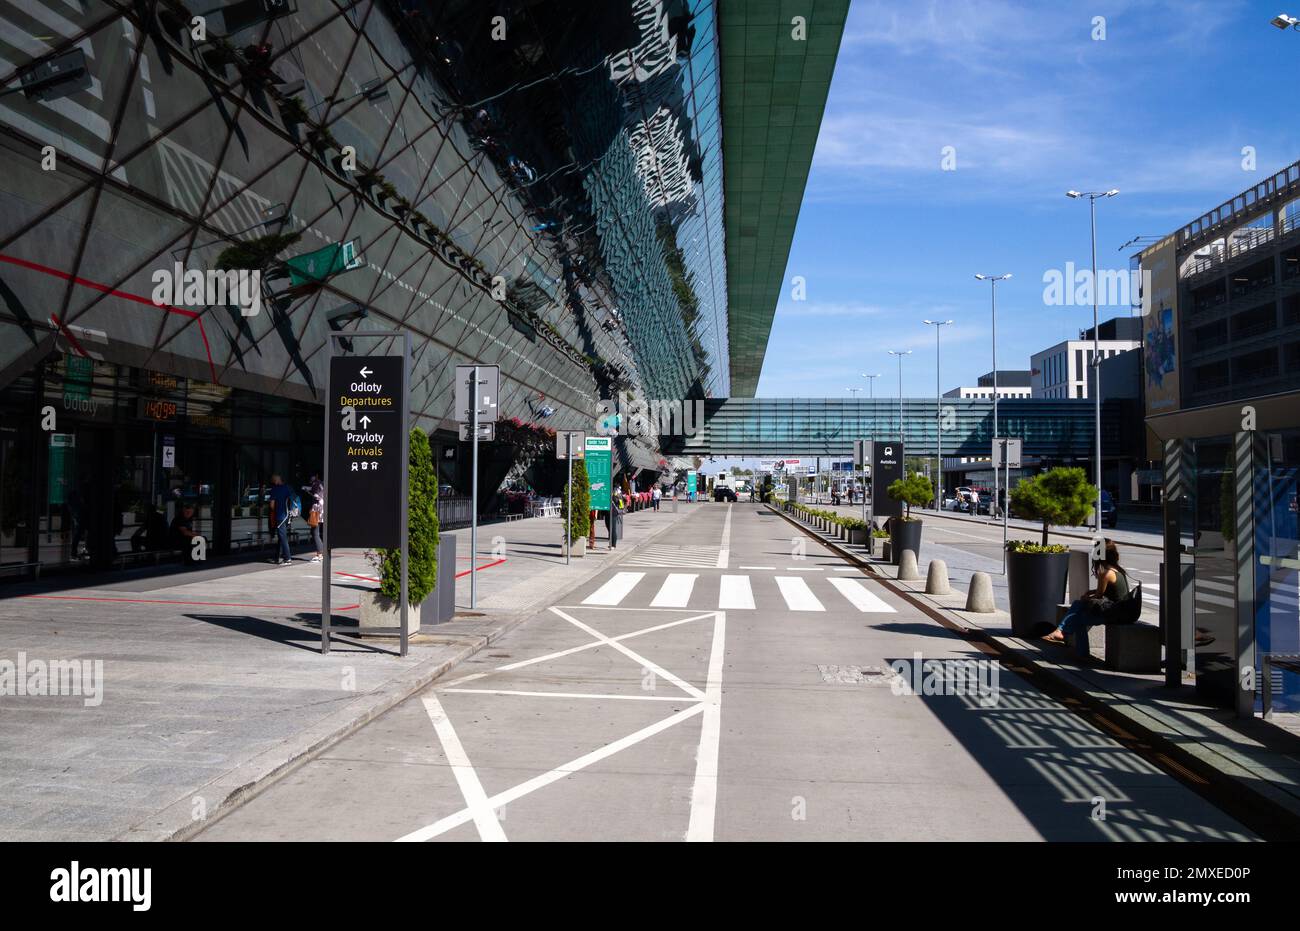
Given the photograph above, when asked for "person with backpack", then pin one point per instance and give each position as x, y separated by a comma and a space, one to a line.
285, 506
1097, 604
316, 516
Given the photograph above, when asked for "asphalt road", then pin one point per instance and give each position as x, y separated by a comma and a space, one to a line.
738, 684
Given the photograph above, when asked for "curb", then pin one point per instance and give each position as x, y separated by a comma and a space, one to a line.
237, 786
1261, 807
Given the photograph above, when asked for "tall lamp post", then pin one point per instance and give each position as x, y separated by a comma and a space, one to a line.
900, 354
1095, 362
1285, 21
938, 416
993, 297
871, 383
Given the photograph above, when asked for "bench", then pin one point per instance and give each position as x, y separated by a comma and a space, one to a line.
151, 556
1288, 661
22, 566
1133, 647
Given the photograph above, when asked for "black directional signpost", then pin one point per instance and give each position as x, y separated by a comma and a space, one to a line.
366, 414
886, 467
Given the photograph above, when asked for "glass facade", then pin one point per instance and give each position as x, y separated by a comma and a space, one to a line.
828, 426
547, 199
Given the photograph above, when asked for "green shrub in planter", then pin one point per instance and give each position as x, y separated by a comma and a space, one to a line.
914, 491
422, 530
1059, 496
581, 525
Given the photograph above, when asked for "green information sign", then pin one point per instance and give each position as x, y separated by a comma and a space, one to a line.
600, 470
691, 481
78, 372
316, 267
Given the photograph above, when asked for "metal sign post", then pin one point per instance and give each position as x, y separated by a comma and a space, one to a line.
477, 387
1005, 450
368, 500
574, 447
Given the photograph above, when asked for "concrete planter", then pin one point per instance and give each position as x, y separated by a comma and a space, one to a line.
905, 535
578, 548
857, 536
378, 611
1035, 586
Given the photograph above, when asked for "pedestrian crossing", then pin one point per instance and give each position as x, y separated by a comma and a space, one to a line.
676, 556
732, 592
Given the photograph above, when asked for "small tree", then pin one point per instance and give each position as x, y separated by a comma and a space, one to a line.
1060, 496
422, 530
914, 489
581, 490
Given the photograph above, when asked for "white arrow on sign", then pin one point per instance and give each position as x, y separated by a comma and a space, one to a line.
365, 372
365, 420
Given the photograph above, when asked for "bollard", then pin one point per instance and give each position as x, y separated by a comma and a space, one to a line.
936, 578
907, 571
980, 597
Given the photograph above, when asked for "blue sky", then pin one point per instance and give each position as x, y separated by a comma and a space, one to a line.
1034, 106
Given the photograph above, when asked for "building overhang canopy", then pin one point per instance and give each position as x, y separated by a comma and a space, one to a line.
774, 87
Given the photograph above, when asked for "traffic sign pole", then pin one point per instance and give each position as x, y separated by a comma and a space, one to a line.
568, 490
403, 487
473, 495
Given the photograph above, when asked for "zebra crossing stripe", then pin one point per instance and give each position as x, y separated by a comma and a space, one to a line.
858, 595
615, 590
676, 590
798, 596
734, 593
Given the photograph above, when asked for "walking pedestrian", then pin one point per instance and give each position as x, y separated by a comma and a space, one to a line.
655, 494
316, 516
284, 507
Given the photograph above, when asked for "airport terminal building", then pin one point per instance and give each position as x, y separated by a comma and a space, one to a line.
580, 200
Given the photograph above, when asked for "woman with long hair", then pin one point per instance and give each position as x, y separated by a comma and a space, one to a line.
1090, 610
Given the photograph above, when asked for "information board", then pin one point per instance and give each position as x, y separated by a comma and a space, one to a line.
886, 467
366, 444
600, 470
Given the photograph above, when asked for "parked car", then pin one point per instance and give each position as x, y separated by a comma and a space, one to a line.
1109, 513
724, 493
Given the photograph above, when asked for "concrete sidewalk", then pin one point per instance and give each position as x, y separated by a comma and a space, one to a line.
212, 680
1258, 759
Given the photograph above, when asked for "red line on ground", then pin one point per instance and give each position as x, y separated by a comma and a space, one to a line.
155, 601
124, 295
365, 578
480, 568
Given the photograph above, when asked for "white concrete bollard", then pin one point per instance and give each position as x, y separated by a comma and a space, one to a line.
936, 578
980, 596
907, 571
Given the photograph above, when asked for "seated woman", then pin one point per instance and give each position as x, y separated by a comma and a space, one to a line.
1090, 610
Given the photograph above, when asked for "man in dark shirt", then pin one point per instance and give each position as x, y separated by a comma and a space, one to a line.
183, 534
280, 494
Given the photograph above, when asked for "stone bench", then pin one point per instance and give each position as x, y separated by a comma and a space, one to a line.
1132, 647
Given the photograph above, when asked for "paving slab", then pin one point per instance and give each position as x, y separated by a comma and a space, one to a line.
213, 684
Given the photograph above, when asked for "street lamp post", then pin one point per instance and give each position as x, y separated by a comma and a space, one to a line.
1285, 21
900, 354
993, 297
938, 416
1095, 362
871, 383
855, 392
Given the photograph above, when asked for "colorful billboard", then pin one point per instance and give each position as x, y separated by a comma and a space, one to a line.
1160, 327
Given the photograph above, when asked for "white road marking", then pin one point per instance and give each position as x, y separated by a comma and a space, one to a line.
510, 667
724, 554
798, 596
539, 782
615, 590
676, 591
632, 655
845, 569
803, 568
734, 593
756, 567
860, 597
676, 698
479, 808
704, 793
